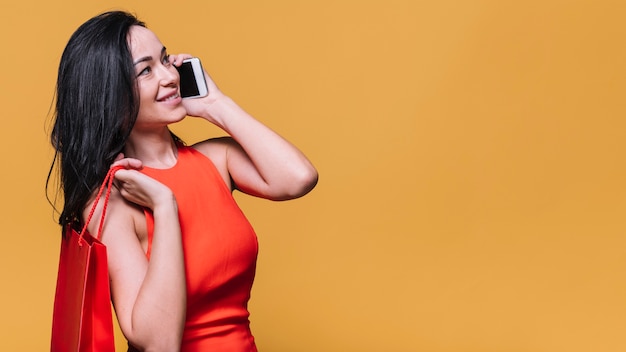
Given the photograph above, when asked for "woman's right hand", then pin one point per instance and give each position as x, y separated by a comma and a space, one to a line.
138, 188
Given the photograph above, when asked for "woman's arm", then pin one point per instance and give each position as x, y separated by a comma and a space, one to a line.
149, 296
259, 161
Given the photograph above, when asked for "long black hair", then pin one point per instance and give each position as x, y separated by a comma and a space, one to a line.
96, 107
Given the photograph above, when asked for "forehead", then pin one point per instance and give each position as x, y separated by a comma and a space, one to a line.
143, 41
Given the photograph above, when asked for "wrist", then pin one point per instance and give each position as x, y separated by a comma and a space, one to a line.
165, 204
219, 109
225, 113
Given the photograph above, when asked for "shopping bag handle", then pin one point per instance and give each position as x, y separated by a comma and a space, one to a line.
108, 185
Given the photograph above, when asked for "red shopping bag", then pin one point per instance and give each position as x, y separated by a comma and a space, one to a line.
82, 318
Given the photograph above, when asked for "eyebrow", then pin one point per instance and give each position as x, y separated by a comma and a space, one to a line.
148, 58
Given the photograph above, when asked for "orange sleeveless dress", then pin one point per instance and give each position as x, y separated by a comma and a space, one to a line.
220, 249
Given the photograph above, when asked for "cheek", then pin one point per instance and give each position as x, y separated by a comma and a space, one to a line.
145, 90
146, 99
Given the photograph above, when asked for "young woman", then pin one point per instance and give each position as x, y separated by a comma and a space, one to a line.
181, 254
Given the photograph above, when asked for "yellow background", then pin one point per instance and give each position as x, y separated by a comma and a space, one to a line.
471, 153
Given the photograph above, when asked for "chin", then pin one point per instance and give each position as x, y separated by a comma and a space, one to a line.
181, 116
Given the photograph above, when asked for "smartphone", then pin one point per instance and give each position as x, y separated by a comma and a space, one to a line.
192, 82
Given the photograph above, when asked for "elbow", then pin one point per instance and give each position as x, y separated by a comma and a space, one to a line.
152, 341
164, 348
301, 183
156, 346
309, 181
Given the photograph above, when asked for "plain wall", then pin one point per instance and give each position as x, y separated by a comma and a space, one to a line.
471, 157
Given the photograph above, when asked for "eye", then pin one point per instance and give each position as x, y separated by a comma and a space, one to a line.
166, 59
145, 71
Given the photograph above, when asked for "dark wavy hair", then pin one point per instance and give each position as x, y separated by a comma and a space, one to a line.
96, 107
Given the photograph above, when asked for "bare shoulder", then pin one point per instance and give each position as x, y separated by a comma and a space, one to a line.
217, 150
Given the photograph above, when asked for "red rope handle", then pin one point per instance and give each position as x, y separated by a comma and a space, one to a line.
108, 184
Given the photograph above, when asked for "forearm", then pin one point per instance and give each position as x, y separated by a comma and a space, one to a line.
284, 168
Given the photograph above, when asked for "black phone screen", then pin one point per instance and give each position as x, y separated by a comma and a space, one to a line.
188, 84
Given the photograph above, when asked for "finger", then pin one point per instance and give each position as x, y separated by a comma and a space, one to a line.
124, 176
177, 59
128, 163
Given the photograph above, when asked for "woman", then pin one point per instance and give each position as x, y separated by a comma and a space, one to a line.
181, 254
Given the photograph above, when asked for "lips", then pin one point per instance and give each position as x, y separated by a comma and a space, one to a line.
168, 97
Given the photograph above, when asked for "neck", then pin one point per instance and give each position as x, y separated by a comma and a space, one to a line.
156, 150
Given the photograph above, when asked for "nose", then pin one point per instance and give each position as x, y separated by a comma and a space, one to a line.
168, 75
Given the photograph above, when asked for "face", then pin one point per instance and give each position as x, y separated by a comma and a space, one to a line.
157, 79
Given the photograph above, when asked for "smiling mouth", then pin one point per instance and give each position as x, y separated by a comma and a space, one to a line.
170, 97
